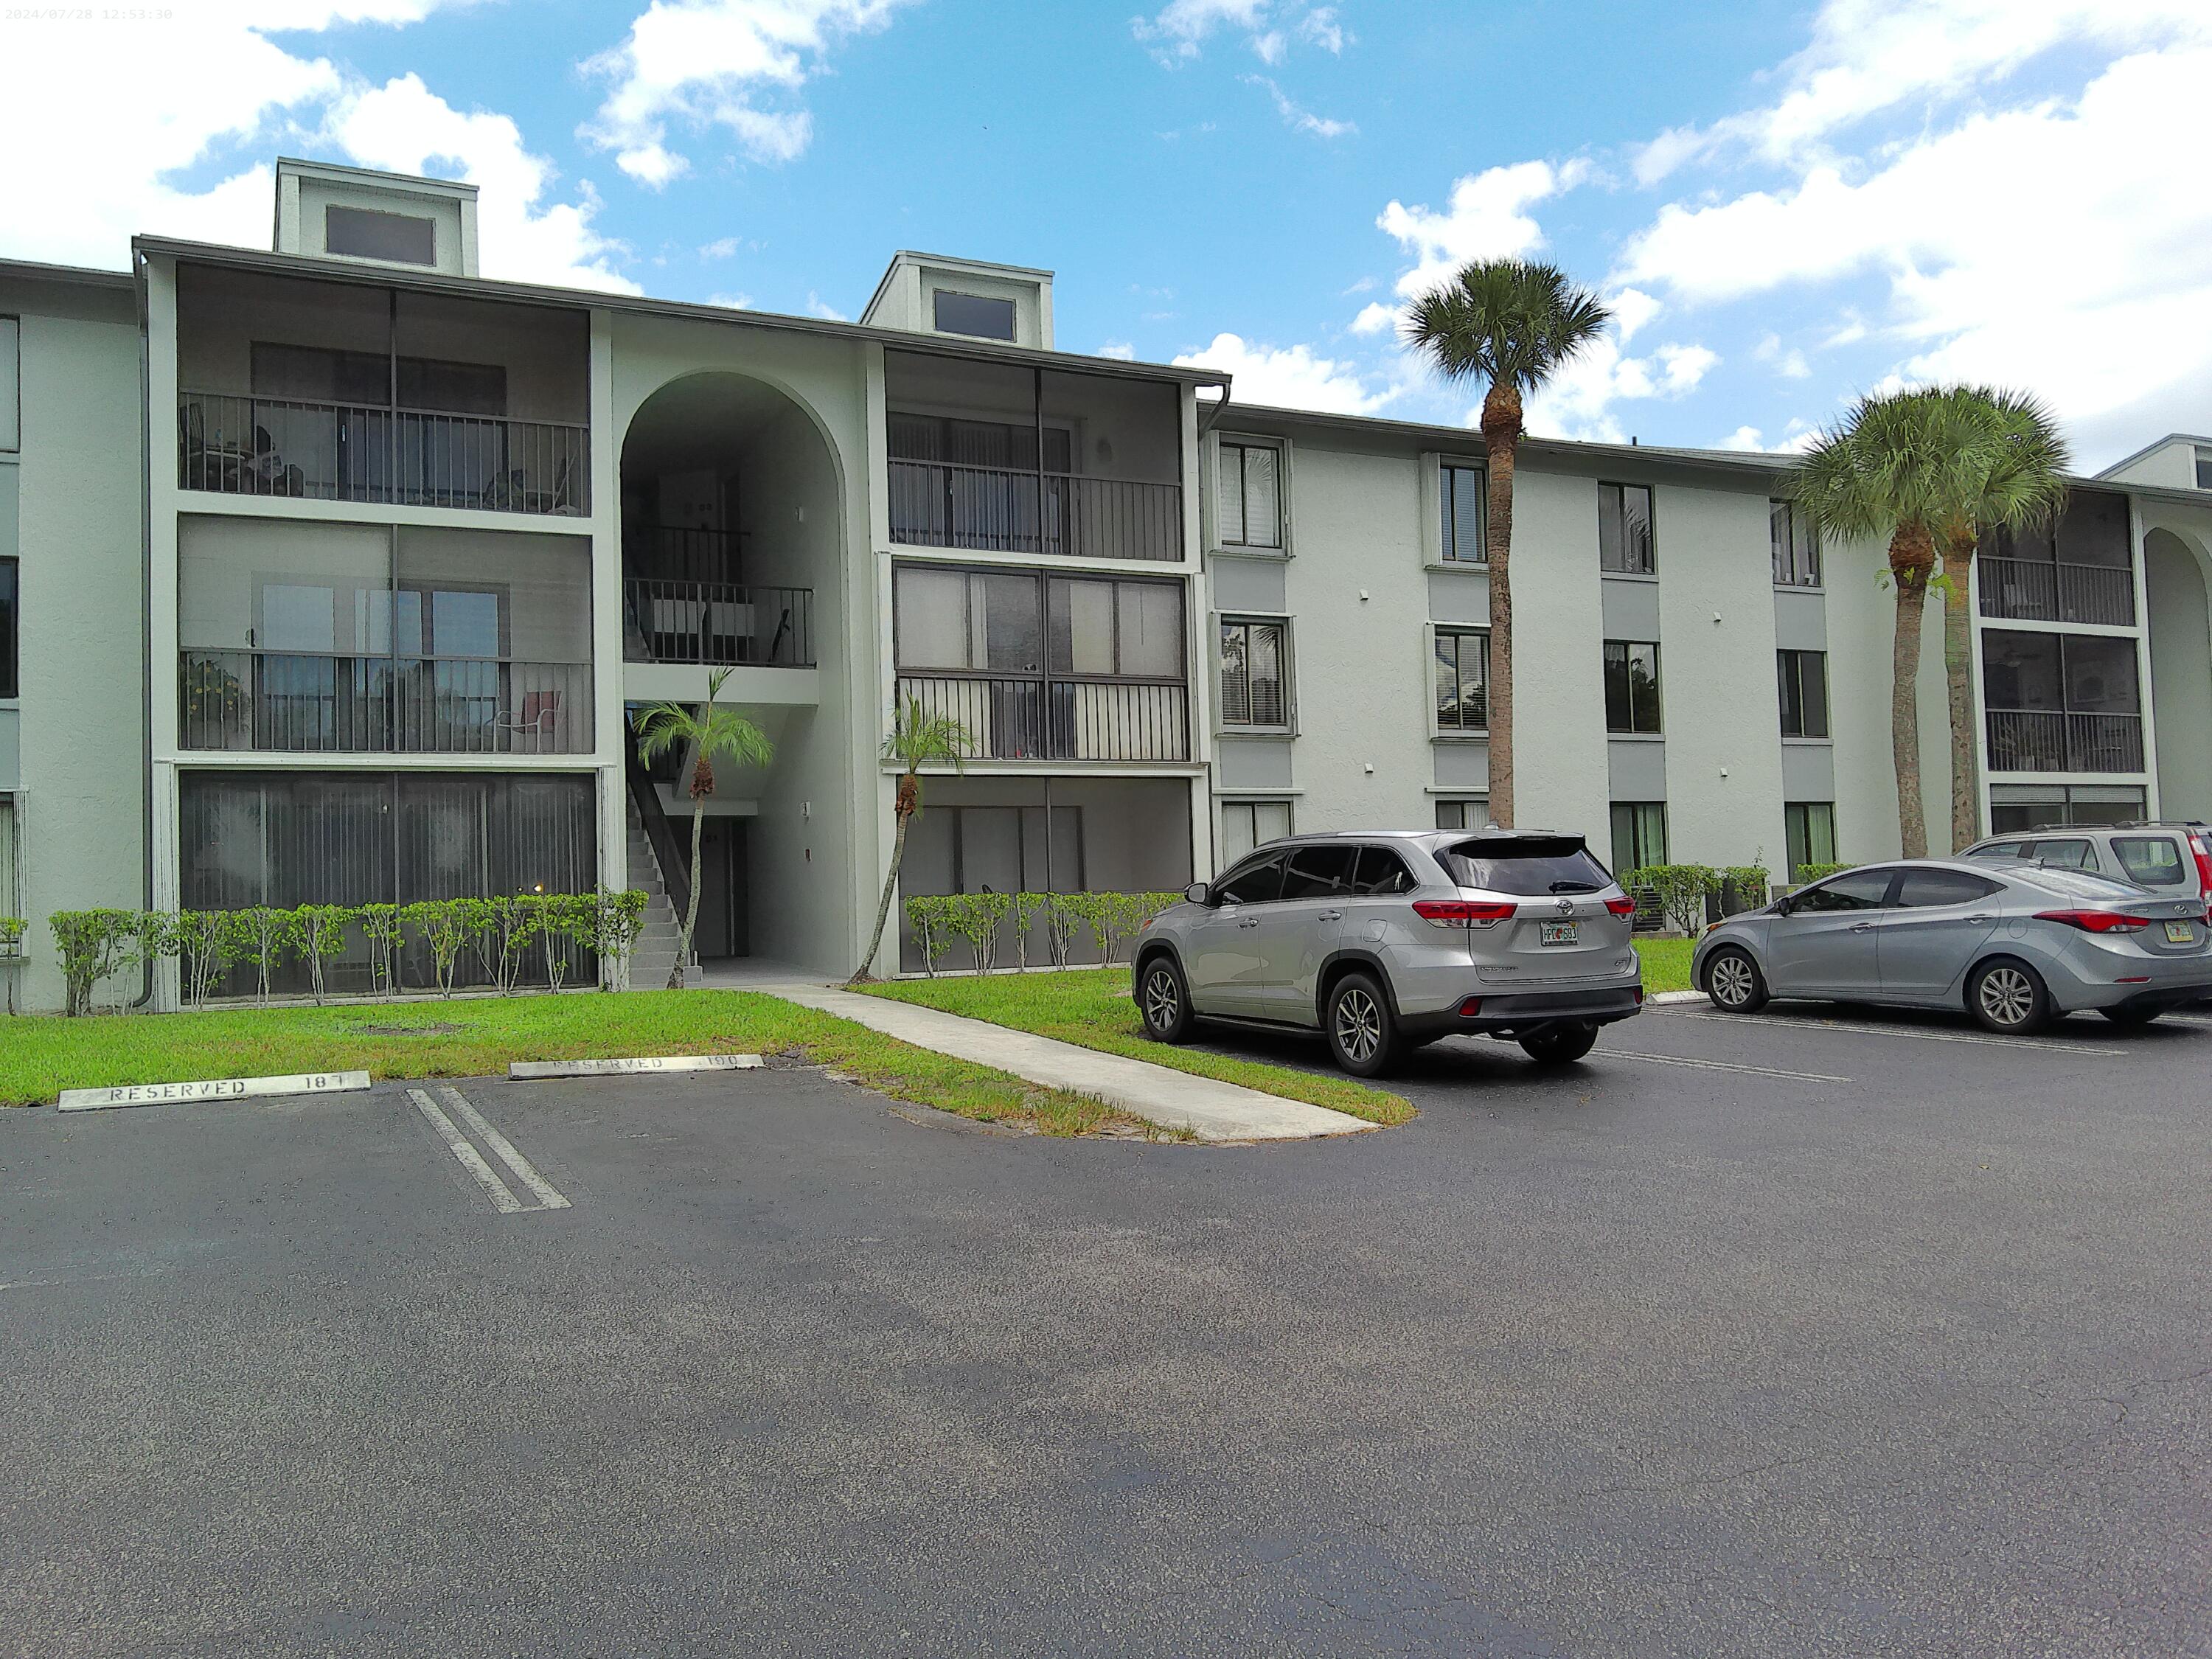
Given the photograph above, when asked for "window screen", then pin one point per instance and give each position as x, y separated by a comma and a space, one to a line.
1252, 674
1251, 495
371, 234
974, 314
1462, 491
1462, 679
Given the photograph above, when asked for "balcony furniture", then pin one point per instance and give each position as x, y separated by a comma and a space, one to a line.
306, 703
539, 721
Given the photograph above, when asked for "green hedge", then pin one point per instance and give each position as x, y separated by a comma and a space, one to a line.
981, 921
1805, 872
506, 932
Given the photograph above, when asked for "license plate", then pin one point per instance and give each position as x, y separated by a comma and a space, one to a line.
1562, 932
2180, 932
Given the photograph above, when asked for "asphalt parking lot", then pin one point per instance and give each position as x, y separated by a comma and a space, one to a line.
1772, 1336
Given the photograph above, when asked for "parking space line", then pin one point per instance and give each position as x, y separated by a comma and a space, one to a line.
548, 1197
502, 1197
2041, 1045
1717, 1066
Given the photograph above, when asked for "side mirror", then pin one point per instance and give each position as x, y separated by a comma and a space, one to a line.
1785, 905
1198, 893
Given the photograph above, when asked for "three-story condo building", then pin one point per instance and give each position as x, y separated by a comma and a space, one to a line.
338, 573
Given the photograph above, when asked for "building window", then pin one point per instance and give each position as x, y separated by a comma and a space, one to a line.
1462, 658
1631, 686
1808, 833
7, 832
1472, 813
11, 629
2061, 703
11, 407
2205, 466
2014, 807
1639, 834
1253, 681
370, 233
1461, 487
1804, 683
1623, 530
1251, 495
973, 314
1794, 545
1246, 824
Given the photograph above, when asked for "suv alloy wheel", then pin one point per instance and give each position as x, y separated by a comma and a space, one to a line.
1164, 999
1363, 1032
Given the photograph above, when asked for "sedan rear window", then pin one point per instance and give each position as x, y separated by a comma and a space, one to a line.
1525, 864
2079, 884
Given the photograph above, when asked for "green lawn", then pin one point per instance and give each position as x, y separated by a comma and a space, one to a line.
1666, 963
476, 1037
1091, 1008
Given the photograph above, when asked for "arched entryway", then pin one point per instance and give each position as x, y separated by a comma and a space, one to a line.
2180, 620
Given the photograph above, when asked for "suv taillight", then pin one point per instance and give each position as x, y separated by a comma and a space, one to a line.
1620, 907
1462, 913
2096, 921
2204, 865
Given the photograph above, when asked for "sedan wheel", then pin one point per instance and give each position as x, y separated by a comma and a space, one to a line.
2007, 996
1734, 982
1163, 1001
1363, 1034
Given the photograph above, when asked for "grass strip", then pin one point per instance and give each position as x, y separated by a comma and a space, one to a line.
1666, 963
1090, 1007
40, 1057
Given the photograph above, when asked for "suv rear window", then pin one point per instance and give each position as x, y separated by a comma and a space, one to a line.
1525, 864
2154, 861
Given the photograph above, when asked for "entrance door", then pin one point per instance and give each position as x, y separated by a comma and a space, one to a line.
723, 927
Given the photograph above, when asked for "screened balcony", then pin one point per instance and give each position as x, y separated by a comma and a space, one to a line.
338, 639
337, 392
2080, 570
1009, 458
2061, 703
1038, 667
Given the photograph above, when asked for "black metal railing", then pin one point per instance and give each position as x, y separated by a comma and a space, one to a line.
2033, 590
297, 702
717, 622
674, 553
1005, 510
1059, 718
660, 835
365, 452
2046, 740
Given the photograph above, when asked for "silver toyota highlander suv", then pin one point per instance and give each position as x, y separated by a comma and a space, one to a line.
1386, 940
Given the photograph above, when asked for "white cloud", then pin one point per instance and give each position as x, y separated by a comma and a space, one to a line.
1870, 56
734, 301
1375, 318
712, 63
1299, 119
1118, 348
1579, 401
1487, 218
721, 248
1632, 308
202, 81
1271, 47
1320, 26
819, 306
1178, 31
1788, 363
1743, 437
1289, 377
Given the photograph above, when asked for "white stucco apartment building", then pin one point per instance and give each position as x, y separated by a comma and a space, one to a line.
338, 573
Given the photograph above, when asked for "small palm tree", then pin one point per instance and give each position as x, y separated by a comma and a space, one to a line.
711, 734
2012, 478
1895, 467
919, 738
1513, 324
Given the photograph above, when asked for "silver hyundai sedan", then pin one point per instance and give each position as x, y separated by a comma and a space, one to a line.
1386, 940
2014, 944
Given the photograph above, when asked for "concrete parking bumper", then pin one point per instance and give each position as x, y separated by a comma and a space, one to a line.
1209, 1108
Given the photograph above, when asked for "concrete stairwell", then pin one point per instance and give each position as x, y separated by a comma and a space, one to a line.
656, 940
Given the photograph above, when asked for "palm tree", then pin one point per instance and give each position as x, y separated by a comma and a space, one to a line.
710, 734
919, 738
2013, 478
1894, 467
1512, 323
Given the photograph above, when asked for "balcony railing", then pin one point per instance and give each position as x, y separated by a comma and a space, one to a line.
717, 622
296, 703
364, 453
1003, 510
1059, 719
2045, 740
2033, 590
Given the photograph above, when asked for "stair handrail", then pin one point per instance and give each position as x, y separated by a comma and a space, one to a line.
659, 833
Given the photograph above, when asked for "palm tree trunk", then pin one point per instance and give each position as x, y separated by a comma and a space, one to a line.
1959, 674
1501, 430
691, 906
1912, 555
867, 969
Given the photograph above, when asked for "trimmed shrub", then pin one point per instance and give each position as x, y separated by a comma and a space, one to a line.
263, 931
319, 930
615, 920
381, 926
929, 915
12, 929
93, 944
1743, 887
1679, 890
1805, 872
445, 928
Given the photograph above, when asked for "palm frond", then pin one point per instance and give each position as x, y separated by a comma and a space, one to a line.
921, 736
1511, 322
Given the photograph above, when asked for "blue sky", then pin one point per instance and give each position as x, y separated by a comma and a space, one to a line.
1786, 205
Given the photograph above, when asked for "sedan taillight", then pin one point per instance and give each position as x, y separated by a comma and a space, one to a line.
1620, 907
1463, 913
2096, 921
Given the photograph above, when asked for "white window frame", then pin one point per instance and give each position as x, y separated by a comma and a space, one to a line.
1434, 464
1475, 807
1651, 494
1288, 664
1215, 540
1249, 804
1437, 727
11, 385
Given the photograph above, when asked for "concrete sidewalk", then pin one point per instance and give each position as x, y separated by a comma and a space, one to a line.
1211, 1110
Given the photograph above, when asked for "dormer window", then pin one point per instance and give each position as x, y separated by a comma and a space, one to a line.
974, 314
402, 239
2205, 466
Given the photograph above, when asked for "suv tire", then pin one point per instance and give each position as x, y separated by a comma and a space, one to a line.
1363, 1032
2007, 996
1733, 983
1164, 999
1563, 1044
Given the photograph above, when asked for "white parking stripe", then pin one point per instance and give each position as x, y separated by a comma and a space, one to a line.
548, 1197
502, 1198
1717, 1066
2041, 1044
